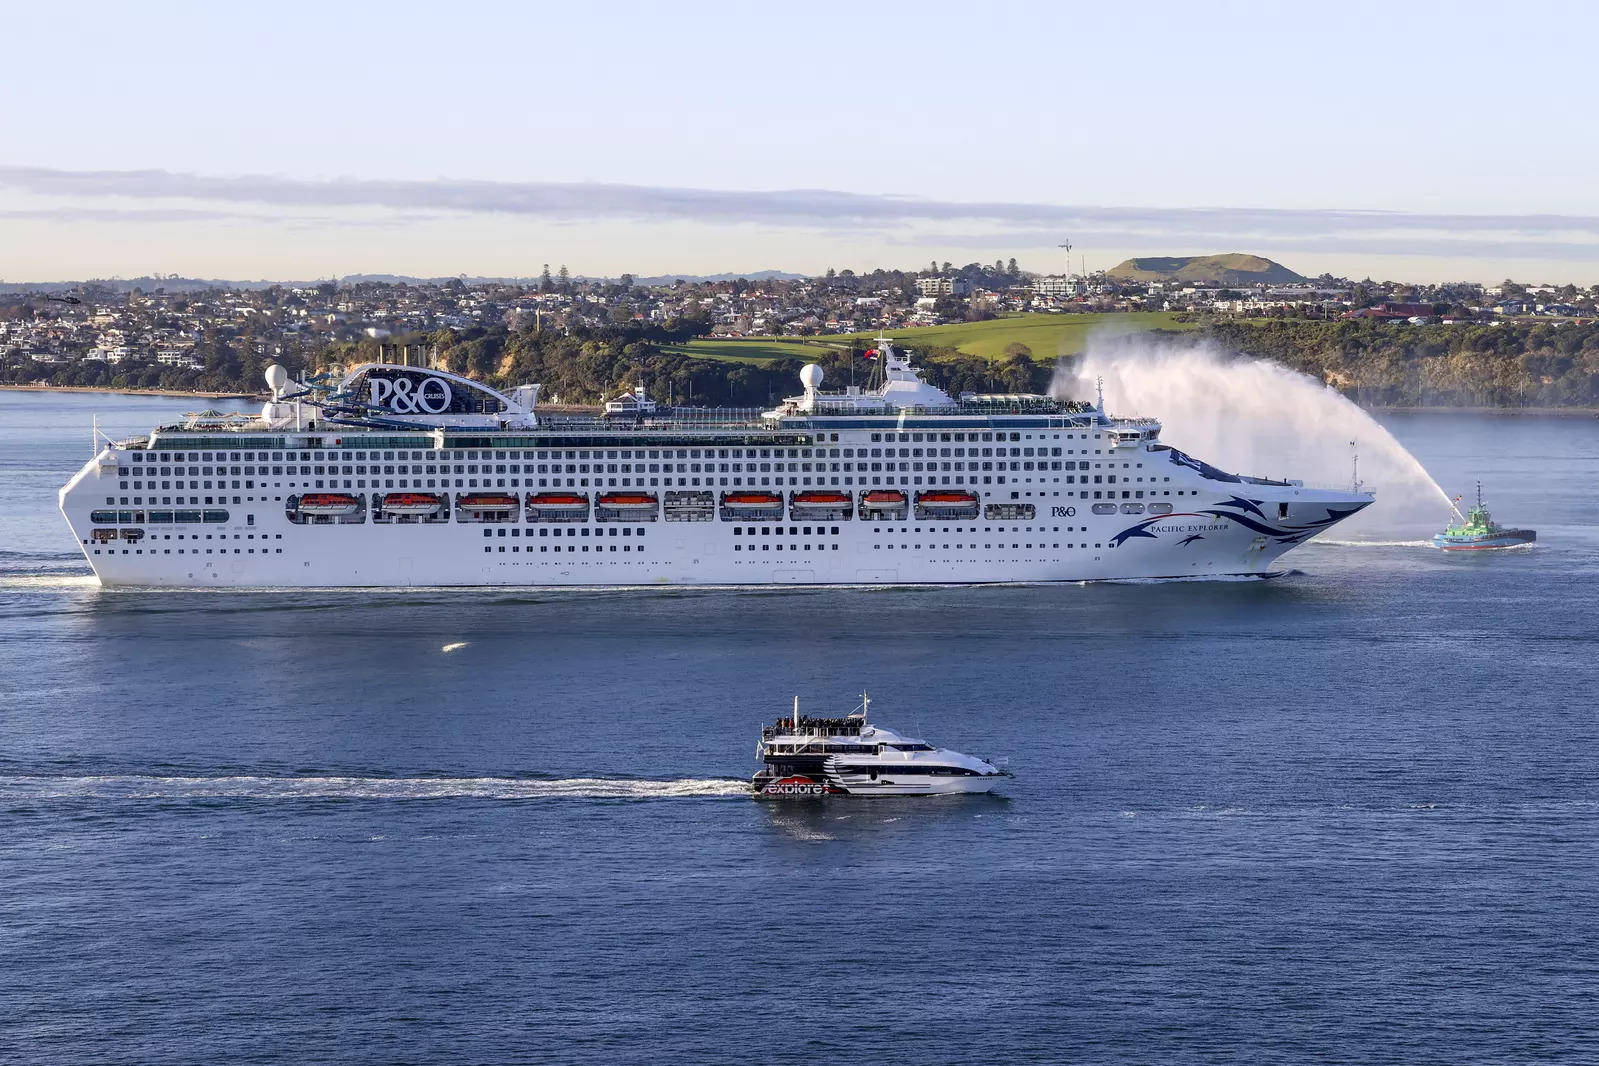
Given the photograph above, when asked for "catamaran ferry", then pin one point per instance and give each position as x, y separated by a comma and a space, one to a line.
409, 475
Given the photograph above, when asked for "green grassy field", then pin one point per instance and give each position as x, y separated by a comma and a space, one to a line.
1046, 336
754, 350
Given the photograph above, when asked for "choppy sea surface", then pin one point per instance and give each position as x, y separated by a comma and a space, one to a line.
1350, 815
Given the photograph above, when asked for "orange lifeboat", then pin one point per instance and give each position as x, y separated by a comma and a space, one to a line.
558, 501
627, 501
411, 503
883, 500
821, 499
488, 503
946, 500
328, 503
753, 501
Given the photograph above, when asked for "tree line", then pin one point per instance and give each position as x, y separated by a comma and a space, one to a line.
1511, 363
1514, 364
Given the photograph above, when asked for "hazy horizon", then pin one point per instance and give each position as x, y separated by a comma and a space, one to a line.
707, 140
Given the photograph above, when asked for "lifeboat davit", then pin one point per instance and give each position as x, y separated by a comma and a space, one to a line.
558, 501
831, 500
334, 503
410, 503
488, 503
883, 500
946, 500
627, 501
753, 501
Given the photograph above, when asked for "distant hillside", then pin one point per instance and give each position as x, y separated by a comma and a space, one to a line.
1234, 268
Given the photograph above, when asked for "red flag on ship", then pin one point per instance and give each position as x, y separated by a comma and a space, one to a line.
871, 353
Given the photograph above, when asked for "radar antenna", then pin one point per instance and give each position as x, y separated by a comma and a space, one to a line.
866, 702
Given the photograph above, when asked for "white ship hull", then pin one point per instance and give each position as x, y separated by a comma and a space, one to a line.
272, 551
859, 785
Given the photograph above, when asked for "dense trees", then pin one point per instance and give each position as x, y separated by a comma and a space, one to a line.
1508, 364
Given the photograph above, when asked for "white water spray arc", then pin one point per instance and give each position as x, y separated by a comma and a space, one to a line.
1257, 418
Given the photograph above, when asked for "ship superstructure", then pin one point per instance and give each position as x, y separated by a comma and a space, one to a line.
404, 475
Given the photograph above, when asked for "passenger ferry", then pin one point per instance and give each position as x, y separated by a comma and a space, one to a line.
808, 757
407, 475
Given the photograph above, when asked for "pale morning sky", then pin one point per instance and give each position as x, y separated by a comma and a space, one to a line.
289, 140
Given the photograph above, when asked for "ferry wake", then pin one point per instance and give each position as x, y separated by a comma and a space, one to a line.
402, 475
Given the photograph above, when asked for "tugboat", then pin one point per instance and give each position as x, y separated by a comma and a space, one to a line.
1478, 531
812, 757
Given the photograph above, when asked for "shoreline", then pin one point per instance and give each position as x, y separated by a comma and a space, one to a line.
177, 393
1564, 412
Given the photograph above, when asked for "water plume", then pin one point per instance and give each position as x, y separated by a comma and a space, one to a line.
1254, 417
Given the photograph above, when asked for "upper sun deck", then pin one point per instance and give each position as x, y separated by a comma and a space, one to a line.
388, 405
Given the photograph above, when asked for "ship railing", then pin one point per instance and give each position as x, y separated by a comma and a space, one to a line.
670, 417
1323, 486
973, 407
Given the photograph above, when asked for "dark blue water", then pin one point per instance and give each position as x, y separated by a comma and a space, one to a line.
1347, 816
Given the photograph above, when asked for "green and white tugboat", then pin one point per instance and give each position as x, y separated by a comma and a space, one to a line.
1478, 531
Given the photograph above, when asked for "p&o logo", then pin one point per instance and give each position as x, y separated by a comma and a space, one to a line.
409, 396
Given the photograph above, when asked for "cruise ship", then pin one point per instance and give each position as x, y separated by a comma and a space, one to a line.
404, 475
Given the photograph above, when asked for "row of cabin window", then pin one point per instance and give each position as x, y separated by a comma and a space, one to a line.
452, 454
182, 551
362, 469
568, 531
568, 547
963, 547
791, 547
168, 458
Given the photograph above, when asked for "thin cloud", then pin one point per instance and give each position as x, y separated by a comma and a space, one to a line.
1570, 237
198, 214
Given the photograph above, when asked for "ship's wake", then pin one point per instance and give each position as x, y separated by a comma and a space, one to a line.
39, 582
141, 787
37, 570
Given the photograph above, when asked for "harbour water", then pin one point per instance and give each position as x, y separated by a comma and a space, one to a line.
1349, 815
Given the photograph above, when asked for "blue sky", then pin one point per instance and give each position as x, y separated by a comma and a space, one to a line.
298, 140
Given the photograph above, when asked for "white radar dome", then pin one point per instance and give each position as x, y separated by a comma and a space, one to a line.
810, 375
276, 377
